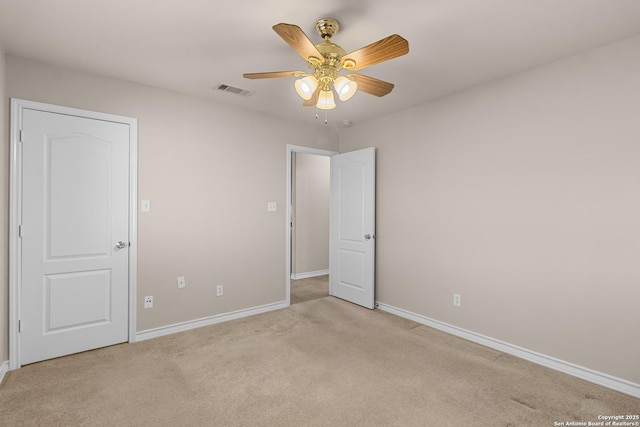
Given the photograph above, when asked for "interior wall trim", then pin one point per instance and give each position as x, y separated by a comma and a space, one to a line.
206, 321
600, 378
297, 276
4, 368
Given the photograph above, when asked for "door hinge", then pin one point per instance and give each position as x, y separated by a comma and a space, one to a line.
20, 136
20, 231
19, 326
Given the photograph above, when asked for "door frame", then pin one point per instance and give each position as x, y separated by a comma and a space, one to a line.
15, 212
295, 149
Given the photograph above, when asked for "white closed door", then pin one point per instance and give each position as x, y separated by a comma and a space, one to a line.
352, 238
74, 234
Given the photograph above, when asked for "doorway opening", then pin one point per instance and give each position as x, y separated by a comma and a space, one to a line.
307, 239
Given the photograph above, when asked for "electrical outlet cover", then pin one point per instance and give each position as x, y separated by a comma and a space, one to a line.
148, 302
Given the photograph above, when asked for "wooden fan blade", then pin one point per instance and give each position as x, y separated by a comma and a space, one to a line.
298, 40
371, 85
272, 74
380, 51
311, 102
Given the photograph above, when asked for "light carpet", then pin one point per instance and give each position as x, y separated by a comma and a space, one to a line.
324, 362
303, 290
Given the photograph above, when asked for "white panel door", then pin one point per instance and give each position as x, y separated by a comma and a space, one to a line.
352, 247
75, 207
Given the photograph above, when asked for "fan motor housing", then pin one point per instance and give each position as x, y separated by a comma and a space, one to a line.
330, 51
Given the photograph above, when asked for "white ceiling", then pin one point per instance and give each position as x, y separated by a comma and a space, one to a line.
190, 46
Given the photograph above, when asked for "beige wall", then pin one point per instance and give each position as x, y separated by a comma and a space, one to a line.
523, 196
209, 176
4, 214
311, 213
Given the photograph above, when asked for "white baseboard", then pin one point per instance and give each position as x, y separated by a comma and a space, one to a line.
4, 368
206, 321
581, 372
297, 276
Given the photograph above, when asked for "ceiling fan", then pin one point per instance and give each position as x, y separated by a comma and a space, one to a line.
327, 59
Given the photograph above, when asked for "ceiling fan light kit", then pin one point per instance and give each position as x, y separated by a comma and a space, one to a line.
326, 100
306, 86
327, 59
345, 87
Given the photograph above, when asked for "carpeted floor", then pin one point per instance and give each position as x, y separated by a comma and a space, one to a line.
308, 289
324, 362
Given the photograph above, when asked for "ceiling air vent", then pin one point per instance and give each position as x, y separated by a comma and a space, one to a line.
235, 90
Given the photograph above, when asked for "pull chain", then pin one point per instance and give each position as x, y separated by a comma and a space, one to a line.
326, 116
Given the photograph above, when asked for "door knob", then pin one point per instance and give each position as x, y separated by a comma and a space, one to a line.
121, 245
367, 237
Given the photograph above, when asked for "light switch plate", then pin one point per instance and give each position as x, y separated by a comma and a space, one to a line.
271, 207
181, 282
146, 206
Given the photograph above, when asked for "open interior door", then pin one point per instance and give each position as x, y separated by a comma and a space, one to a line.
352, 218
